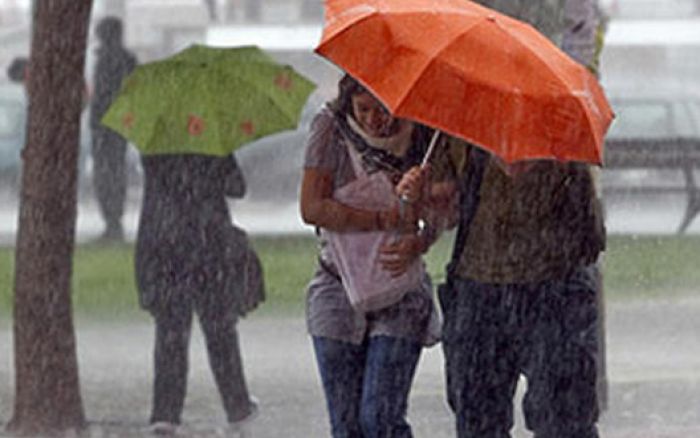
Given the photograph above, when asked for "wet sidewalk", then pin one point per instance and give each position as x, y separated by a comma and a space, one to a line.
653, 370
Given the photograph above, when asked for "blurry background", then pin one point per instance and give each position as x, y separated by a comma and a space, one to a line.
650, 68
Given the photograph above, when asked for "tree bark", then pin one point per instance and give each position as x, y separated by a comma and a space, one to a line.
47, 388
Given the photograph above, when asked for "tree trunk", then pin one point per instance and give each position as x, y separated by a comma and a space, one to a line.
47, 389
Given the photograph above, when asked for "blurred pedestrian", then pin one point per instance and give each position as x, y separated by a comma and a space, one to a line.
211, 8
113, 63
190, 259
520, 296
366, 359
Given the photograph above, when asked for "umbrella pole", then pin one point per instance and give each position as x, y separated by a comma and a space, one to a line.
431, 148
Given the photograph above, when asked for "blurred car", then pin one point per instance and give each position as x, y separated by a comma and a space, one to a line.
13, 120
663, 124
655, 140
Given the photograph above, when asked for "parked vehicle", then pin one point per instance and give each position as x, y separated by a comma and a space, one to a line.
655, 140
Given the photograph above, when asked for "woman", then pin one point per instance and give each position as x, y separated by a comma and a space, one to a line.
366, 360
188, 260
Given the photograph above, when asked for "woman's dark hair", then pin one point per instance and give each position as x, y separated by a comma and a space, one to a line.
347, 87
342, 106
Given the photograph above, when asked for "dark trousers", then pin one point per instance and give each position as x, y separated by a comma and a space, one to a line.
109, 176
367, 386
546, 331
173, 326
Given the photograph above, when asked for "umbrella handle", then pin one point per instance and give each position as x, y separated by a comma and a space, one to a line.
403, 200
426, 158
431, 148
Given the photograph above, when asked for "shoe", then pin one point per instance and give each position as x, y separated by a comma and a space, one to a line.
163, 428
241, 428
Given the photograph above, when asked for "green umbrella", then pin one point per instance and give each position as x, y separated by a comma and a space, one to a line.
207, 100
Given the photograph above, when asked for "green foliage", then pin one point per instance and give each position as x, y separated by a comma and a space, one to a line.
289, 263
646, 267
7, 273
103, 280
651, 266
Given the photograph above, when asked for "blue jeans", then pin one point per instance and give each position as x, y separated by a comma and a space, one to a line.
546, 331
367, 386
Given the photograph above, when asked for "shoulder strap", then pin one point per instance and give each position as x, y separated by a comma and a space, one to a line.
355, 158
469, 190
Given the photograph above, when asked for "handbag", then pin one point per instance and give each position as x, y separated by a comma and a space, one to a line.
245, 277
356, 254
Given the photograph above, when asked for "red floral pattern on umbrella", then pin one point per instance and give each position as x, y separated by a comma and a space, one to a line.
248, 127
185, 103
128, 120
283, 81
195, 125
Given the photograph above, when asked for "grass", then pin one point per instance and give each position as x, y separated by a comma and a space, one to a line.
652, 267
649, 267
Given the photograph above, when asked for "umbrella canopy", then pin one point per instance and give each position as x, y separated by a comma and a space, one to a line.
207, 100
471, 72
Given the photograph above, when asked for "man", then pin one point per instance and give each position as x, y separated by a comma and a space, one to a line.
114, 62
520, 298
583, 36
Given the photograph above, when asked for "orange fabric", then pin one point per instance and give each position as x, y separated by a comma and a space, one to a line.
471, 72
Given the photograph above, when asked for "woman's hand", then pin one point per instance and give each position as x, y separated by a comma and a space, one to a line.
413, 184
403, 219
318, 208
396, 257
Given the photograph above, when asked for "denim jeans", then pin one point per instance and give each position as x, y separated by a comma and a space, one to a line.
367, 386
546, 331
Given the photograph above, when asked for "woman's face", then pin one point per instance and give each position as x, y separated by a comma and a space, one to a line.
371, 115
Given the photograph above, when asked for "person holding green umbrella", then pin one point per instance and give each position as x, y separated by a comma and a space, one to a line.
186, 115
187, 262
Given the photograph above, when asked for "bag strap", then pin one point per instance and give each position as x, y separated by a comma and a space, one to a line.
355, 159
469, 189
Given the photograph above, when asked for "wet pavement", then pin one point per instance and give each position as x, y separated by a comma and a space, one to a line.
653, 371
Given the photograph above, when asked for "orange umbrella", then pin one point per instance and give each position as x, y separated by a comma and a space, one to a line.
471, 72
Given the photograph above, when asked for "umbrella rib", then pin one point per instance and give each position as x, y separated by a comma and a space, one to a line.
556, 74
431, 62
549, 66
348, 26
263, 91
